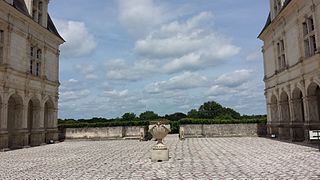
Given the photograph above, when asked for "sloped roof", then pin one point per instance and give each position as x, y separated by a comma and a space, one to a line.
268, 22
20, 5
52, 28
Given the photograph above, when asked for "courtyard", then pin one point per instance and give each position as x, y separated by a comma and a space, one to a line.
202, 158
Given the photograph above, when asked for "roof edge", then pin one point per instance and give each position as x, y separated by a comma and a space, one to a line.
269, 21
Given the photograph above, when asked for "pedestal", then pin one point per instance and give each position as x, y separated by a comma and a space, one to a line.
159, 153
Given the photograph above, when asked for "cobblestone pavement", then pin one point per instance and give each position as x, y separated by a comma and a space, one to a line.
205, 158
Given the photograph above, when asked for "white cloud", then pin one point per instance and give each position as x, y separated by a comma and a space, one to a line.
87, 70
72, 81
235, 78
217, 90
140, 16
67, 96
116, 93
79, 41
91, 76
184, 81
254, 56
119, 69
192, 45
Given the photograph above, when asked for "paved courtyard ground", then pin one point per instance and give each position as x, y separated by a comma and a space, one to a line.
205, 158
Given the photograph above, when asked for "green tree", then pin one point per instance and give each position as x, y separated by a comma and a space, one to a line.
128, 116
148, 115
175, 116
193, 113
234, 114
210, 110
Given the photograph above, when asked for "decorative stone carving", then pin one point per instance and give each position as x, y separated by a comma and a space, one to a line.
159, 151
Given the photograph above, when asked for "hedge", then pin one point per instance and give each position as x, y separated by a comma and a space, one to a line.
104, 124
174, 124
221, 121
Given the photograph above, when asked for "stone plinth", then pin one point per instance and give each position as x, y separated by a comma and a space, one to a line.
159, 153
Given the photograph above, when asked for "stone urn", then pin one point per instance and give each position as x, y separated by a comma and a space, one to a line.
159, 152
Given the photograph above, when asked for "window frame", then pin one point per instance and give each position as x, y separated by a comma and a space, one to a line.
2, 45
35, 60
281, 55
309, 37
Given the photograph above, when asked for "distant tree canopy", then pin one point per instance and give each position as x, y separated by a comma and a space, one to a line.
193, 113
208, 113
128, 116
212, 110
148, 115
175, 116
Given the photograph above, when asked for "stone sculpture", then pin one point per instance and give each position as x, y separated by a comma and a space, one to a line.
159, 151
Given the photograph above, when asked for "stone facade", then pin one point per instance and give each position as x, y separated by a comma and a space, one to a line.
292, 67
29, 67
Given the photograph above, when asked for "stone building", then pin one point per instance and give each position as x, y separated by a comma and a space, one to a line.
29, 68
291, 55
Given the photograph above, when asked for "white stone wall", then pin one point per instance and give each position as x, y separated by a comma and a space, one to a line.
105, 132
222, 130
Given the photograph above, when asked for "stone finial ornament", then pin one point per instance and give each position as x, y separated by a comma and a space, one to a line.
159, 151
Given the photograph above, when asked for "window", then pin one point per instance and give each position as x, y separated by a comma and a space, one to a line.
1, 46
310, 42
35, 61
37, 11
281, 55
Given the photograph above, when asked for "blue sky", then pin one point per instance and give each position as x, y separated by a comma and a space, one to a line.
166, 56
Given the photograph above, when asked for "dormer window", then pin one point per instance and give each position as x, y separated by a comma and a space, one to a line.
277, 6
37, 11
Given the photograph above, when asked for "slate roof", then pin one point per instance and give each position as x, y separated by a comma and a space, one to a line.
268, 22
20, 5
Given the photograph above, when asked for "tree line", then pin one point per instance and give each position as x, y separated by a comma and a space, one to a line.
208, 110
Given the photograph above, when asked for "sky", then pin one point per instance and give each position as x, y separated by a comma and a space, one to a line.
165, 56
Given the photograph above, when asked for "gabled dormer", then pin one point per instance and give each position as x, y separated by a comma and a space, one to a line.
38, 10
275, 7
